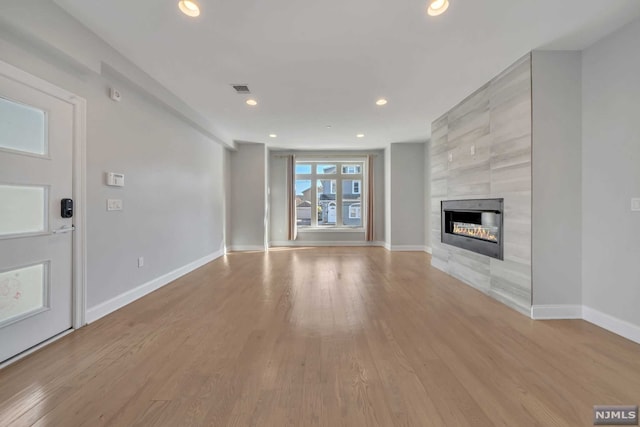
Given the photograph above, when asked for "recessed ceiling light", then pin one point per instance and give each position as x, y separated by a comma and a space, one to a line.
252, 102
360, 135
189, 7
273, 135
381, 101
437, 7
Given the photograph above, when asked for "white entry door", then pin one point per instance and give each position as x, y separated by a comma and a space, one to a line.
36, 174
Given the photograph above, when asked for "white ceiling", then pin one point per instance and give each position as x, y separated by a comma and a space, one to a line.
316, 63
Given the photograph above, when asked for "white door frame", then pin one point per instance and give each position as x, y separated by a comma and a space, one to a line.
79, 256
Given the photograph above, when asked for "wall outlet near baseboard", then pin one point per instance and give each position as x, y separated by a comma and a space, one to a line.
635, 204
114, 204
141, 262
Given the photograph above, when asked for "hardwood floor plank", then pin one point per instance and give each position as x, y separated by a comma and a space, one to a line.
321, 337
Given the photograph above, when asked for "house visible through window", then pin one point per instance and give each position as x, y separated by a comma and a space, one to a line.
355, 187
354, 211
328, 193
351, 169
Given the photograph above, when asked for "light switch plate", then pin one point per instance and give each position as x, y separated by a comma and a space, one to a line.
472, 151
114, 204
115, 179
635, 204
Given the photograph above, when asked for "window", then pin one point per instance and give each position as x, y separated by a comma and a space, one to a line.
355, 187
351, 169
354, 211
328, 193
326, 169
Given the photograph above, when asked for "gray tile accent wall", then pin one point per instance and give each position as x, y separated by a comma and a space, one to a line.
497, 120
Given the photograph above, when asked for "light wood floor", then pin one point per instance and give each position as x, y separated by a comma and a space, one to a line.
325, 336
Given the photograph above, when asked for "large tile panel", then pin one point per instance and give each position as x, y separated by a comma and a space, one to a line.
493, 123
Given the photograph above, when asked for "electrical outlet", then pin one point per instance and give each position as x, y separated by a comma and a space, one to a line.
450, 157
472, 151
114, 204
635, 205
115, 94
141, 262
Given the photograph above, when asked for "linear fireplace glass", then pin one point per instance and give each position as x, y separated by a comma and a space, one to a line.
475, 225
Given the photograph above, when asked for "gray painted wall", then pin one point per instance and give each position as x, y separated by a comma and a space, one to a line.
278, 197
427, 195
387, 196
174, 194
611, 174
407, 194
248, 196
227, 197
557, 168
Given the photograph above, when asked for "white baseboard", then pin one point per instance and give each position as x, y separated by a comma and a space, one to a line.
386, 245
297, 243
428, 249
555, 311
407, 248
101, 310
613, 324
246, 248
610, 323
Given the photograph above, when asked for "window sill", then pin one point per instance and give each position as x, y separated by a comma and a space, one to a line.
330, 230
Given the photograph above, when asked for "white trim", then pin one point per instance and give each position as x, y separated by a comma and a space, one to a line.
298, 243
407, 248
428, 250
556, 311
613, 324
79, 255
80, 216
35, 348
107, 307
386, 245
331, 229
246, 248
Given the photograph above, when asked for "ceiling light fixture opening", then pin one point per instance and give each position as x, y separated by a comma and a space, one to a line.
252, 102
360, 135
381, 101
437, 7
273, 135
189, 7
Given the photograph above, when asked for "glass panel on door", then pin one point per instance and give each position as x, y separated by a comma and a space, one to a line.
22, 292
22, 128
22, 210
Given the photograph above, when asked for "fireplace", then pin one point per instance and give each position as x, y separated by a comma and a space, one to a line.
475, 225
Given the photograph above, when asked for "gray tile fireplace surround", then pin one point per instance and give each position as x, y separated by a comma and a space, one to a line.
482, 149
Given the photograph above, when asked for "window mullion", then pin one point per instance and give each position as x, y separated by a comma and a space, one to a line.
339, 221
314, 197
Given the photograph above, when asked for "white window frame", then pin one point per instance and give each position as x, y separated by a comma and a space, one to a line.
337, 179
